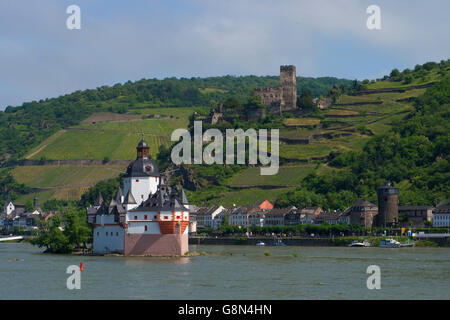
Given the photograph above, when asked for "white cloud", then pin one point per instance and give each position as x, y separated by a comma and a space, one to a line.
40, 58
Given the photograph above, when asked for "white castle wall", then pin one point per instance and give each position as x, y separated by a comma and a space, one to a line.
108, 239
141, 187
139, 227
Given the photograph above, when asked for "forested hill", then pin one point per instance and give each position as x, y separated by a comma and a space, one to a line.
415, 154
25, 126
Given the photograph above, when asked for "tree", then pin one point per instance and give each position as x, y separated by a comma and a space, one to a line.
394, 74
56, 239
305, 101
254, 102
52, 237
29, 207
76, 229
225, 220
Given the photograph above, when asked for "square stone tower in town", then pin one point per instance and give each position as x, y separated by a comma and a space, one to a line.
288, 84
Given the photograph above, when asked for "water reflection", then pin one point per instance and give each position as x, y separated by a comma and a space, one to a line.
136, 261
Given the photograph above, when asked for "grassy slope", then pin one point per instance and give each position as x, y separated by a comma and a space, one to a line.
117, 140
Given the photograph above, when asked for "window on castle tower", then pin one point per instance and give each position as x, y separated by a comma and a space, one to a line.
145, 228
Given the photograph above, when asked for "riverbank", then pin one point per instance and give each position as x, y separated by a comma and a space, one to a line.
311, 242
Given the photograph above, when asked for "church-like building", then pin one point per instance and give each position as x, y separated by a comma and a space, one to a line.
147, 218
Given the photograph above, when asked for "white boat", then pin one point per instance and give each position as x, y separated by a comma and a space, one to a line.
260, 243
357, 243
390, 243
408, 244
11, 238
279, 243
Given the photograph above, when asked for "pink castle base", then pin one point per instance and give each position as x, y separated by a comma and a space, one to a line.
156, 244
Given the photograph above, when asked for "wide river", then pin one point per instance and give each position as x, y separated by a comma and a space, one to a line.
230, 272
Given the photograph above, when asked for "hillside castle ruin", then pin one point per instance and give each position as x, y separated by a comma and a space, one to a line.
284, 97
275, 99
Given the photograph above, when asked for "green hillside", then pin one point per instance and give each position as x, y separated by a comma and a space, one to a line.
112, 118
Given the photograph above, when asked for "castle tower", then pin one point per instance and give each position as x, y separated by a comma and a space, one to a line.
288, 85
387, 205
142, 176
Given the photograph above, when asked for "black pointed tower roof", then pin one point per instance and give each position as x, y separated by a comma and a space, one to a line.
163, 199
183, 197
129, 199
99, 200
118, 196
142, 166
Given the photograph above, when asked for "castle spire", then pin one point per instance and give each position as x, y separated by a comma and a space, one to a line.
143, 149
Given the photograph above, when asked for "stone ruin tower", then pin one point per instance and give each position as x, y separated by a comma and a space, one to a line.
288, 86
387, 205
284, 97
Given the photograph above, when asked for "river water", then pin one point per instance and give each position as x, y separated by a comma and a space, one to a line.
230, 272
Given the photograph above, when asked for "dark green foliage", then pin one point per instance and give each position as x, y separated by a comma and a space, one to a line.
75, 232
254, 102
9, 187
56, 205
305, 100
107, 188
24, 127
416, 150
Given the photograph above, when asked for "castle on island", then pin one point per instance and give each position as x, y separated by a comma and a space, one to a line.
147, 218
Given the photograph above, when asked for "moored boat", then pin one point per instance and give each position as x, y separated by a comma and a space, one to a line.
357, 243
389, 243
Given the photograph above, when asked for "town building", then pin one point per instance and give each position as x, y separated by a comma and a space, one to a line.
14, 216
308, 214
328, 217
150, 219
414, 216
362, 212
192, 219
276, 217
210, 217
252, 215
9, 207
441, 215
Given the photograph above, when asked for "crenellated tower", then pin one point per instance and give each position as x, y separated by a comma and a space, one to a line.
288, 84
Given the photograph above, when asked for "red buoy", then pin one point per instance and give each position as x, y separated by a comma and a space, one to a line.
81, 266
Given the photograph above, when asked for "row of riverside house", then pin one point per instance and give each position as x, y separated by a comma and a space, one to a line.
14, 216
362, 212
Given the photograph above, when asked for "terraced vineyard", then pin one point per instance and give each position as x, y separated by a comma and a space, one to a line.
99, 138
305, 144
112, 140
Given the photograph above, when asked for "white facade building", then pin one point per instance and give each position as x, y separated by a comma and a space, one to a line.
150, 219
210, 217
441, 215
9, 207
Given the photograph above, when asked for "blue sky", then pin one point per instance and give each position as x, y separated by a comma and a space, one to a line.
130, 40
